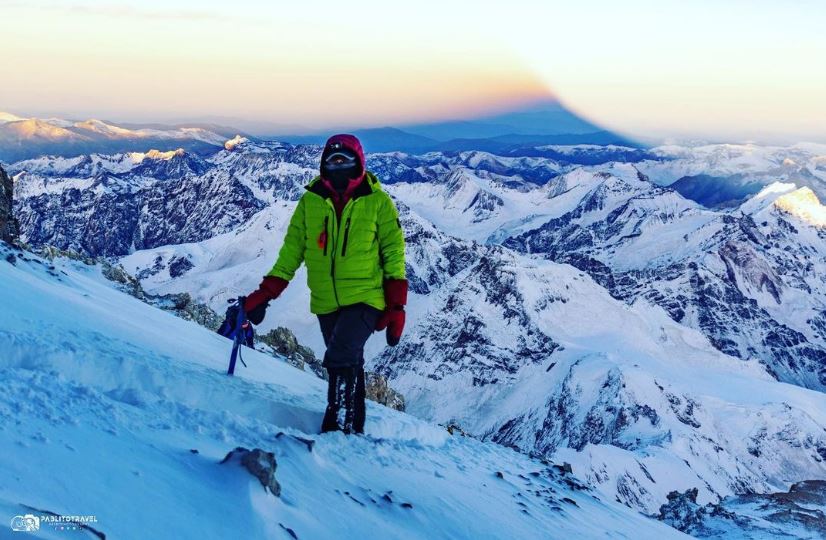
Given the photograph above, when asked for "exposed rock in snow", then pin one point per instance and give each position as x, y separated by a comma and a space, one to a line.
284, 343
260, 464
8, 223
682, 512
380, 391
179, 266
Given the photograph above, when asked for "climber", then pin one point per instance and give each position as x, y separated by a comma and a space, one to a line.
347, 232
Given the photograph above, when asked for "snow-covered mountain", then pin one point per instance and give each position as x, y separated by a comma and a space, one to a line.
580, 312
122, 414
111, 205
751, 280
115, 204
22, 138
725, 174
537, 356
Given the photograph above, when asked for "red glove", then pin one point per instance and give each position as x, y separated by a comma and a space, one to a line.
256, 303
395, 296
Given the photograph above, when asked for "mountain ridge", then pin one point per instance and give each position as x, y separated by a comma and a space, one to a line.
24, 138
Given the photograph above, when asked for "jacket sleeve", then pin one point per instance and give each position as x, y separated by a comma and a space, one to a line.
291, 254
391, 240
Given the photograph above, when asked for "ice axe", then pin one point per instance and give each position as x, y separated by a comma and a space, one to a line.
235, 327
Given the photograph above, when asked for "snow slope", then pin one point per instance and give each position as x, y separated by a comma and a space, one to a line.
105, 398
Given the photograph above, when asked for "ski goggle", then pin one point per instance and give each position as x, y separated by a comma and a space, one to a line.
340, 160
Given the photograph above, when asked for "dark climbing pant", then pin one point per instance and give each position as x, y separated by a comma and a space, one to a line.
345, 332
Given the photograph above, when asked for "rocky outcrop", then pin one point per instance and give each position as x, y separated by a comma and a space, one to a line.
8, 223
682, 512
179, 266
283, 342
797, 513
127, 282
185, 307
379, 390
258, 463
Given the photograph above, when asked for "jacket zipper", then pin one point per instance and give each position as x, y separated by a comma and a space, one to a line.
343, 248
326, 233
333, 262
346, 235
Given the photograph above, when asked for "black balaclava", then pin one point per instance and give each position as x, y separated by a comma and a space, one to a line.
340, 167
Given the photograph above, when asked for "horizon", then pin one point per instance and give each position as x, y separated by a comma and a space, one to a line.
290, 133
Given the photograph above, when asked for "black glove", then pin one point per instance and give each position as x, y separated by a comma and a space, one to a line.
257, 314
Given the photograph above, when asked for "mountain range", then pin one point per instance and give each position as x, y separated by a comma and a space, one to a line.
545, 123
565, 300
22, 138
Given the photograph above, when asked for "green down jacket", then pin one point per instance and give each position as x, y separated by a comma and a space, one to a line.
362, 250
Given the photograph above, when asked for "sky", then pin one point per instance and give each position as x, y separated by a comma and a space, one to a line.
725, 69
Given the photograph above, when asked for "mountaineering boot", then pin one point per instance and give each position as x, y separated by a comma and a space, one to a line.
347, 389
341, 390
330, 422
359, 409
